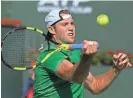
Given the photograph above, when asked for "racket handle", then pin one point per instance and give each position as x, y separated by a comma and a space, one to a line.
77, 46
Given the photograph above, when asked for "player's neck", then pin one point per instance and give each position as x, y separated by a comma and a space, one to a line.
57, 40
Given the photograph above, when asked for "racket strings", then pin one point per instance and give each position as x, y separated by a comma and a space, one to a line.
22, 47
12, 47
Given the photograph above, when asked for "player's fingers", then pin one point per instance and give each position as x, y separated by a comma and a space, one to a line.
129, 64
84, 41
89, 49
95, 47
124, 62
85, 44
92, 47
122, 57
119, 55
92, 50
115, 57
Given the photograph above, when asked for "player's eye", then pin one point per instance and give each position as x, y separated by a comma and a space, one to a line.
72, 23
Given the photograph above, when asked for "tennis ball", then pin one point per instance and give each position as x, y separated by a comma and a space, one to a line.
102, 19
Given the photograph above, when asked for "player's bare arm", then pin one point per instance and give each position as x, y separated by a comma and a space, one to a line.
99, 83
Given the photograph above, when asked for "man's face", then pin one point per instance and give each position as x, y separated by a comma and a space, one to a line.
65, 31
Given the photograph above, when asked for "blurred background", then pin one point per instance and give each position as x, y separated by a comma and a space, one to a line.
115, 37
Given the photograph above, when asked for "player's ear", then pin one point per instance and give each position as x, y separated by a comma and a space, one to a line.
51, 29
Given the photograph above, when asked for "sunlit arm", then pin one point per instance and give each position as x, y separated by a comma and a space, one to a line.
75, 73
99, 83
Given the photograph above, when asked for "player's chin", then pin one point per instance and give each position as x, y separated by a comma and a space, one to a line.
71, 41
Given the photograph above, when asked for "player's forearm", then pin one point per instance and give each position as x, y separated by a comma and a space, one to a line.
100, 83
81, 70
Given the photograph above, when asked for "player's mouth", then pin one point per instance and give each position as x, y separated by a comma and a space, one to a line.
71, 34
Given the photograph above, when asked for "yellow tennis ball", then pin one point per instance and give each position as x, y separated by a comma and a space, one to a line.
103, 20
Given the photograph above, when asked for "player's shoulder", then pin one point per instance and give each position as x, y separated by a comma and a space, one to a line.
45, 52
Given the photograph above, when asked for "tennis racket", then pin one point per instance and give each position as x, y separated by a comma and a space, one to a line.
17, 42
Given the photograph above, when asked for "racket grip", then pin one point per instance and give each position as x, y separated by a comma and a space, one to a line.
77, 46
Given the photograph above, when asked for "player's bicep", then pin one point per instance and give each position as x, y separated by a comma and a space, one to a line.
64, 70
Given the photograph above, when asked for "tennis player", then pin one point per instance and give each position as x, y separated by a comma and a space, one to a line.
66, 73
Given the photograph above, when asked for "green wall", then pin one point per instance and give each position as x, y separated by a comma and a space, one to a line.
117, 35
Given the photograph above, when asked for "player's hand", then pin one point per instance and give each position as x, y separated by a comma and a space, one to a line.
90, 47
121, 61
